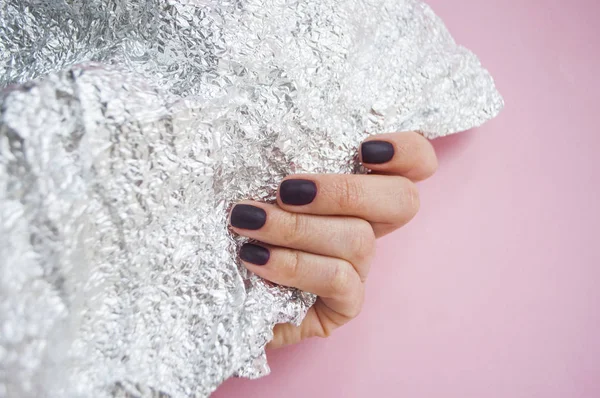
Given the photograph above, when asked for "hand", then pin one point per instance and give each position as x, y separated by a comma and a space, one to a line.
320, 236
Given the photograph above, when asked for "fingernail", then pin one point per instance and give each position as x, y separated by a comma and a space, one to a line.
254, 254
248, 217
376, 152
297, 192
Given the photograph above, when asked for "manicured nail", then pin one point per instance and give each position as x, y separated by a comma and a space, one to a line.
254, 254
297, 192
376, 152
248, 217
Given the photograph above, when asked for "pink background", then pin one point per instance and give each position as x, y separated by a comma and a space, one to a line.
493, 290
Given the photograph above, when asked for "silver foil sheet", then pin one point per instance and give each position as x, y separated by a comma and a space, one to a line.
127, 130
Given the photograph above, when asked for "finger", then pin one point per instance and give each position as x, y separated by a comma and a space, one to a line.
320, 321
348, 238
392, 200
333, 279
408, 154
287, 333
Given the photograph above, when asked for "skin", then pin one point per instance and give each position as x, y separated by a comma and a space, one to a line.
326, 247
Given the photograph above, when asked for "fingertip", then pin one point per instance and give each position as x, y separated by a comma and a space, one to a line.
407, 154
376, 152
297, 191
247, 216
254, 255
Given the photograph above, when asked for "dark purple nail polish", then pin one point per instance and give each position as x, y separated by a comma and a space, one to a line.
248, 217
376, 152
254, 254
297, 192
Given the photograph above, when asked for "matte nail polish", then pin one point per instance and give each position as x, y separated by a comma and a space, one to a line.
254, 254
376, 152
297, 192
248, 217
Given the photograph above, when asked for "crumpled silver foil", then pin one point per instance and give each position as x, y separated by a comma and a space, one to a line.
127, 130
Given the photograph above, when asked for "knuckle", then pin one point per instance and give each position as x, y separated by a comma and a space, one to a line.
292, 266
340, 281
413, 199
293, 228
354, 310
408, 205
363, 242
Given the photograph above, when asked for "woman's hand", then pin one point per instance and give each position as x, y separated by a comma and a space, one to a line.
320, 236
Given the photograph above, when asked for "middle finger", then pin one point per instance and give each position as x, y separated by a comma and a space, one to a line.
391, 200
348, 238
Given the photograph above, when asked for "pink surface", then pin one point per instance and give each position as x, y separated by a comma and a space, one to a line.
492, 291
